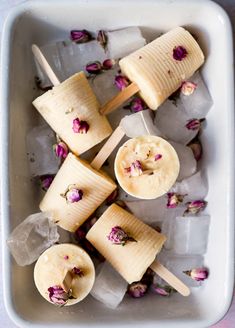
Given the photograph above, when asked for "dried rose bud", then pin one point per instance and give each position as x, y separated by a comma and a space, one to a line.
137, 105
196, 147
135, 169
148, 277
118, 236
121, 82
137, 289
188, 88
80, 36
179, 53
157, 157
194, 124
195, 206
102, 38
94, 67
80, 126
80, 234
58, 295
66, 257
112, 197
61, 150
46, 181
78, 272
162, 290
174, 200
108, 64
198, 274
73, 194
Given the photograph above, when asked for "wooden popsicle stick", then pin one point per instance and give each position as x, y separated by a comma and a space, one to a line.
108, 147
45, 65
67, 282
119, 99
170, 278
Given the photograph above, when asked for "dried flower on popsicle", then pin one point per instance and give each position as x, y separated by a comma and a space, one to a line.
179, 53
118, 236
80, 126
188, 88
135, 169
58, 295
73, 194
61, 150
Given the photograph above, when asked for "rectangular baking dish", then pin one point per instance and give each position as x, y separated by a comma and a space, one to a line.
41, 22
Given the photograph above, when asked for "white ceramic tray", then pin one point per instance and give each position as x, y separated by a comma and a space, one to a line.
43, 21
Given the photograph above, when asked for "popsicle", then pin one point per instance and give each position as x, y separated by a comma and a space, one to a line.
64, 274
159, 68
72, 110
130, 246
146, 167
75, 193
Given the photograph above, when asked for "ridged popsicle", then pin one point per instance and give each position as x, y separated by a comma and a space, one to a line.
52, 266
95, 186
132, 259
68, 101
156, 71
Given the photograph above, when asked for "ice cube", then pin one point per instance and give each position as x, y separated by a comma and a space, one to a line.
103, 85
124, 41
42, 158
199, 102
139, 124
168, 224
109, 287
171, 120
154, 211
32, 237
194, 187
191, 234
188, 164
177, 264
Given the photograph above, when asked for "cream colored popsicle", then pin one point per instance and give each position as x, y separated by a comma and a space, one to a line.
146, 167
130, 246
159, 68
75, 193
67, 106
58, 262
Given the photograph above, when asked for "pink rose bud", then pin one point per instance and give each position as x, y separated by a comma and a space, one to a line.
102, 38
118, 236
135, 169
74, 195
162, 290
80, 36
198, 274
121, 82
61, 150
194, 124
58, 295
196, 147
108, 64
136, 105
174, 199
77, 271
179, 53
80, 126
94, 67
187, 88
46, 181
66, 257
137, 289
157, 157
195, 206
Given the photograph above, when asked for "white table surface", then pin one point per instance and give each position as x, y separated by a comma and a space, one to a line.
5, 321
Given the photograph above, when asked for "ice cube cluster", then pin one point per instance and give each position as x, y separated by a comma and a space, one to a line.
179, 214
